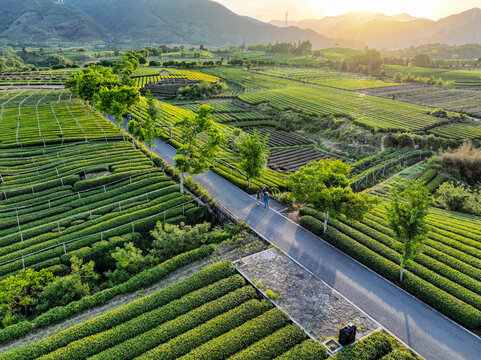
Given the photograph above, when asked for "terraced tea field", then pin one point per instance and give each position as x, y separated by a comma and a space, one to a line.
468, 79
463, 101
147, 75
35, 78
38, 116
366, 110
211, 315
290, 160
57, 199
340, 80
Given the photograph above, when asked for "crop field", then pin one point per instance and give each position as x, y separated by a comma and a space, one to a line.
33, 78
279, 138
147, 75
49, 116
463, 101
462, 78
212, 314
57, 199
340, 80
366, 110
446, 275
458, 131
290, 160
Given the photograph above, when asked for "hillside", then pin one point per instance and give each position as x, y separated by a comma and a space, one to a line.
392, 32
193, 22
39, 20
188, 22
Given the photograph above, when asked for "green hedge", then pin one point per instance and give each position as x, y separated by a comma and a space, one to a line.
139, 281
273, 345
374, 347
435, 183
93, 344
241, 337
308, 350
142, 343
212, 329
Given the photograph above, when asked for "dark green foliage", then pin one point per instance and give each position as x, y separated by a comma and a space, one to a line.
308, 350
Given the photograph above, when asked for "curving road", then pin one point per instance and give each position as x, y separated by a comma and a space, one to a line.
425, 330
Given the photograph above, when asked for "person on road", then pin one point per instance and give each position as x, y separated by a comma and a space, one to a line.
266, 199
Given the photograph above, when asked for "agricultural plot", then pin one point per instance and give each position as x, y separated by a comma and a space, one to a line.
279, 138
42, 116
212, 315
458, 131
366, 110
462, 101
290, 160
468, 79
34, 78
340, 80
57, 199
147, 75
446, 275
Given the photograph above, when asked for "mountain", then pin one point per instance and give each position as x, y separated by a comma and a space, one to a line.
142, 21
39, 20
398, 31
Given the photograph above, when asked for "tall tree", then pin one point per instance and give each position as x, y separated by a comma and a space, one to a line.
117, 100
201, 141
407, 217
324, 185
254, 152
145, 129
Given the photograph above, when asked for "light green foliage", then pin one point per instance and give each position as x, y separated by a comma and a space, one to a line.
129, 258
117, 100
144, 130
325, 186
458, 197
407, 217
18, 293
68, 288
170, 240
254, 152
87, 83
201, 141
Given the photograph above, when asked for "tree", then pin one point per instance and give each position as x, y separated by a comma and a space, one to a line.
86, 84
254, 152
421, 60
407, 217
117, 100
201, 141
325, 186
145, 129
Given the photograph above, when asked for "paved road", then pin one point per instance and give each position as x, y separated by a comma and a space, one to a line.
428, 332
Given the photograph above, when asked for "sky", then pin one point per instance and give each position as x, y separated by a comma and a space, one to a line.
267, 10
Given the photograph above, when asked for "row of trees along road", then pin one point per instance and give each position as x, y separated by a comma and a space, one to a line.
325, 186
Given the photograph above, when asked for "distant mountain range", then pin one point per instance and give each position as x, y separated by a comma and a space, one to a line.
206, 22
398, 31
137, 22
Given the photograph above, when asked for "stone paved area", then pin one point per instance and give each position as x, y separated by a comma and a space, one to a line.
308, 300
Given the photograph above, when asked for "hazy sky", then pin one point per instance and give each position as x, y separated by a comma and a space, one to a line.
303, 9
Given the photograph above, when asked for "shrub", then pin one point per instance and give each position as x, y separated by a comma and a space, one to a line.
273, 345
148, 340
237, 339
307, 350
373, 347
